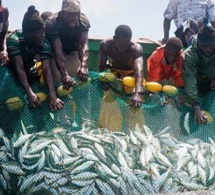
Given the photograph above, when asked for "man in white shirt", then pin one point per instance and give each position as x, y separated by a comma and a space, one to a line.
185, 14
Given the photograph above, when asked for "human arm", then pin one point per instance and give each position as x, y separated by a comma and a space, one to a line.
211, 12
102, 56
189, 73
166, 28
103, 48
57, 48
169, 14
83, 54
54, 103
3, 53
18, 64
213, 23
138, 73
178, 80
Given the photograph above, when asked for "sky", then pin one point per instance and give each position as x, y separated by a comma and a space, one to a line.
145, 17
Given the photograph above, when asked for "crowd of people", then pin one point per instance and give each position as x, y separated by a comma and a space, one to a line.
59, 42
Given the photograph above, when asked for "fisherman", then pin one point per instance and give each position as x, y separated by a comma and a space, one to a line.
185, 15
67, 32
165, 63
198, 69
23, 45
126, 59
4, 14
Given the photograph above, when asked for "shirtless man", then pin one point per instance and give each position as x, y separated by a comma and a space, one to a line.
126, 59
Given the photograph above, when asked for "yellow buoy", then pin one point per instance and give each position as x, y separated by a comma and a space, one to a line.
170, 90
153, 86
42, 96
106, 77
130, 81
63, 92
14, 103
208, 116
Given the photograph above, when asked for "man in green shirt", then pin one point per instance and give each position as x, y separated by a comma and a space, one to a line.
23, 46
198, 69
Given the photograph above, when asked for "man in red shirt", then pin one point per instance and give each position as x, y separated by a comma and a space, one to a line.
164, 64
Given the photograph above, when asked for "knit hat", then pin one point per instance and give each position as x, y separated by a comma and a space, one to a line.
71, 5
32, 21
206, 34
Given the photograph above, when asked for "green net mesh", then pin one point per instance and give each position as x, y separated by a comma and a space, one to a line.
109, 109
90, 106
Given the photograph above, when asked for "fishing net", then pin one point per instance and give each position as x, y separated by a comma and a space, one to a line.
103, 108
106, 112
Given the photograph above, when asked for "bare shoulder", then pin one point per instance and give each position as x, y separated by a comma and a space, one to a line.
6, 11
136, 48
106, 45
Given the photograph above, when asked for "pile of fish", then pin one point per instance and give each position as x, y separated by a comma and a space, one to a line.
98, 161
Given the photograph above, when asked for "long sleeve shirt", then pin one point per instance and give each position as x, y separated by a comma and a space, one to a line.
198, 72
158, 70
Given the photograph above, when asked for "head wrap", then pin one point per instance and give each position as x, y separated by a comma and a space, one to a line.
71, 5
206, 35
32, 21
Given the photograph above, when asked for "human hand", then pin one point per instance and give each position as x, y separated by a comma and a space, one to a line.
164, 40
199, 116
34, 100
55, 104
68, 82
136, 100
4, 57
82, 73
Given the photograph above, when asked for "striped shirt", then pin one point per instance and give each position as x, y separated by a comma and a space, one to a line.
16, 46
182, 10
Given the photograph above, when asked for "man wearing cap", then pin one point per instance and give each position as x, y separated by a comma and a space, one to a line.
23, 45
185, 14
67, 32
198, 69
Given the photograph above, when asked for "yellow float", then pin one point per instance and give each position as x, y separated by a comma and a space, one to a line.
153, 86
208, 116
106, 77
14, 103
170, 90
42, 96
64, 92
